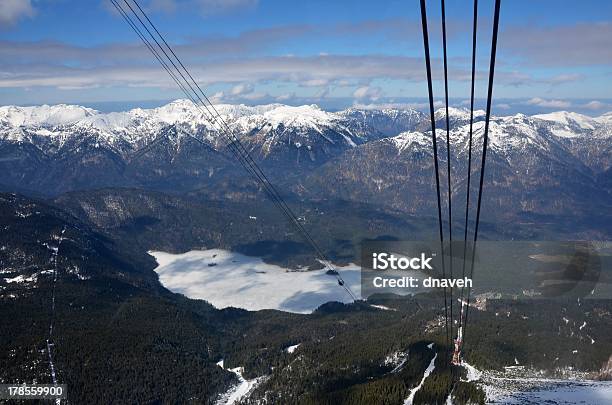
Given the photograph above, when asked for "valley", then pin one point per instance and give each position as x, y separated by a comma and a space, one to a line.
172, 260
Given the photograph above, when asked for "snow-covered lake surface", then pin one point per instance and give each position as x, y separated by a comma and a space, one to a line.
227, 279
560, 393
500, 389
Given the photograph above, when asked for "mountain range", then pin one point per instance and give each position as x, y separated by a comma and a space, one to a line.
555, 164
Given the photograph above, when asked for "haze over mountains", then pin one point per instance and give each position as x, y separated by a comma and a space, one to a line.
550, 164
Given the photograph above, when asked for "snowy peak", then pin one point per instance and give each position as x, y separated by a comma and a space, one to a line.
569, 119
605, 118
393, 113
456, 113
185, 111
44, 115
566, 124
176, 111
506, 134
310, 116
234, 111
408, 141
456, 116
453, 112
275, 127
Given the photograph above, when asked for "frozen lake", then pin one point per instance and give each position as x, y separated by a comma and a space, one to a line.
227, 279
566, 392
524, 390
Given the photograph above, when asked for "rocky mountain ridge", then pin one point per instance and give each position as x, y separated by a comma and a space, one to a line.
549, 164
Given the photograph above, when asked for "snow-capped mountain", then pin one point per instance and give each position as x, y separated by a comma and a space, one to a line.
62, 147
456, 117
531, 169
45, 115
377, 156
588, 138
584, 138
275, 128
304, 133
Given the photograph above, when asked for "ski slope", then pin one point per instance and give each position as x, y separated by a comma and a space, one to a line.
240, 391
430, 368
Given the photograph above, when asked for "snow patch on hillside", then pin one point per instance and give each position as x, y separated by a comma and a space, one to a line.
473, 374
411, 140
396, 360
242, 390
21, 279
384, 308
430, 368
291, 349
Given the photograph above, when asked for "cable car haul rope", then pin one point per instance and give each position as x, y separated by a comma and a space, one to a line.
459, 341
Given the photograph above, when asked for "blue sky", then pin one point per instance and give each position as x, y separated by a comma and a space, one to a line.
553, 55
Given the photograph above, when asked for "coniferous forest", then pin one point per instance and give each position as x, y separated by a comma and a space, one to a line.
119, 337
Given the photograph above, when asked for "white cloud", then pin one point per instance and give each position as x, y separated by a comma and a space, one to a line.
205, 7
540, 102
367, 92
564, 78
218, 97
323, 92
585, 43
239, 93
12, 11
31, 71
315, 82
285, 97
241, 89
595, 105
255, 96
